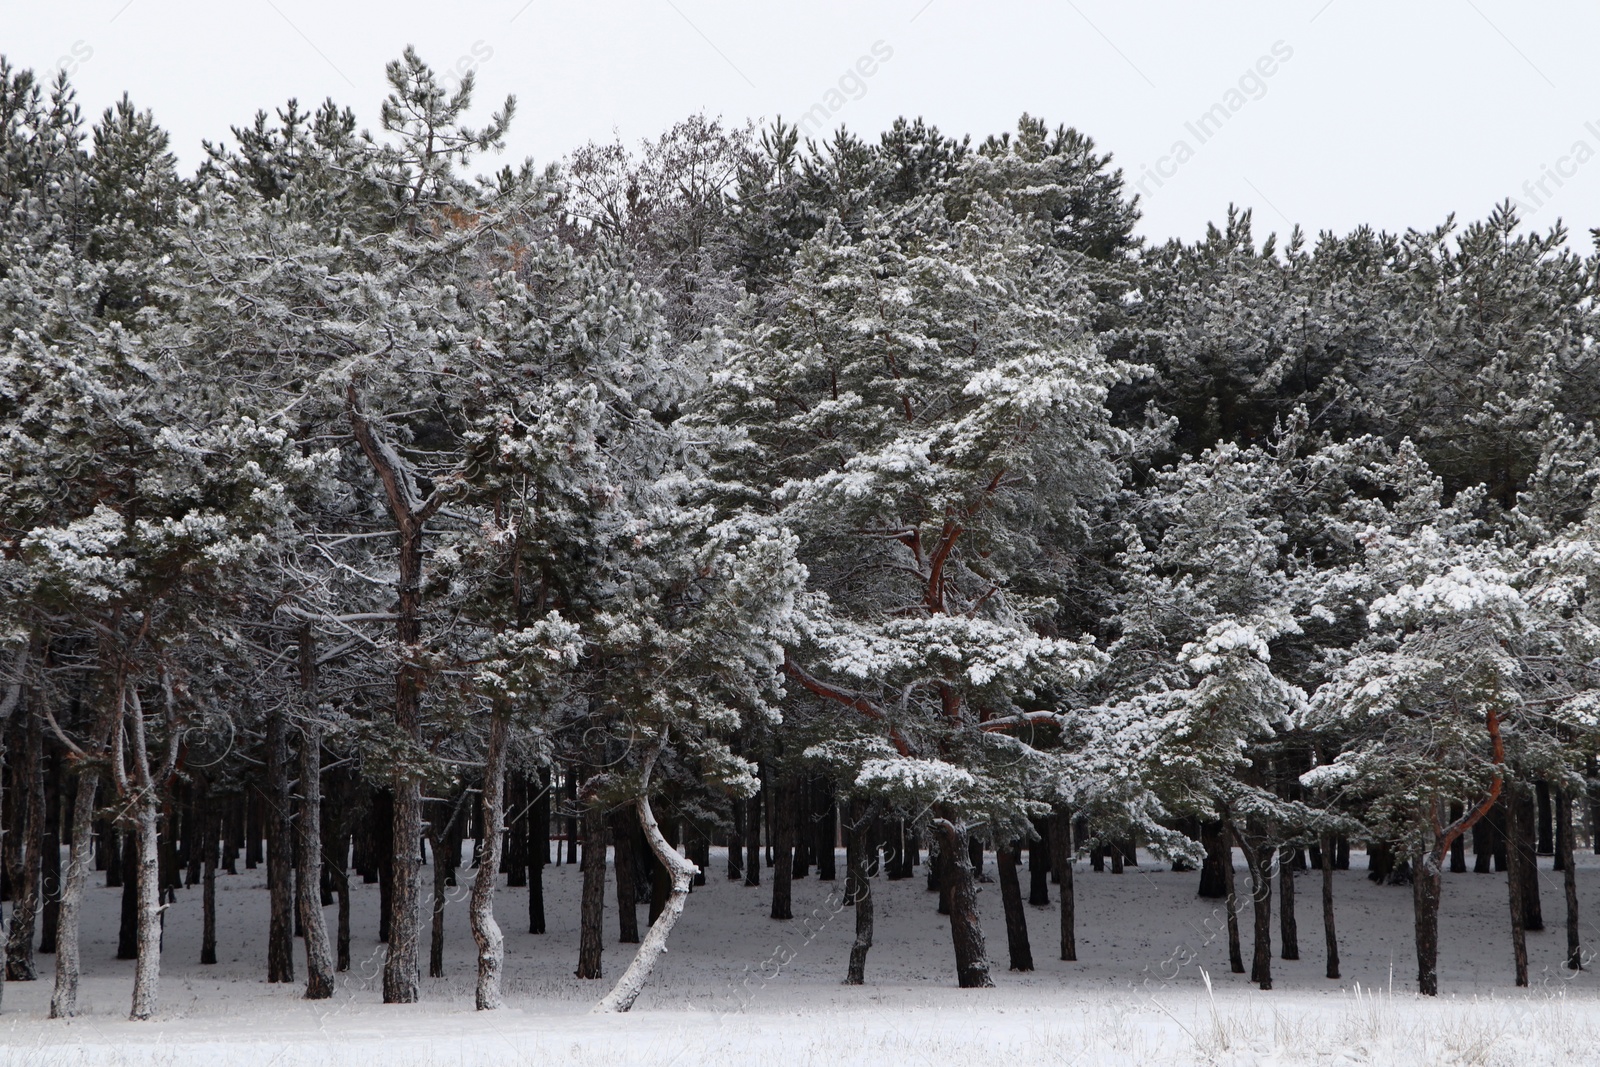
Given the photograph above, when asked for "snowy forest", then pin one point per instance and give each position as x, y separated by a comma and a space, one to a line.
748, 508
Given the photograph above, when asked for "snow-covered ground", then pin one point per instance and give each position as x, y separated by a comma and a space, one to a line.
738, 987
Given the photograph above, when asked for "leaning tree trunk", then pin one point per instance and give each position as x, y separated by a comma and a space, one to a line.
1327, 905
972, 957
592, 910
485, 931
1569, 880
631, 984
1061, 862
1006, 858
280, 860
858, 888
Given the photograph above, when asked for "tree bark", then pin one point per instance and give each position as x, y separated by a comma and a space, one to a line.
1569, 877
280, 858
1006, 859
485, 930
1522, 812
208, 883
623, 859
591, 939
858, 887
1288, 929
752, 838
1039, 864
1425, 879
783, 851
401, 981
972, 957
1061, 862
1328, 933
539, 852
1231, 899
29, 802
1514, 886
631, 984
308, 881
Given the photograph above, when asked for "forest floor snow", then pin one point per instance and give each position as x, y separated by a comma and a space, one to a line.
1152, 985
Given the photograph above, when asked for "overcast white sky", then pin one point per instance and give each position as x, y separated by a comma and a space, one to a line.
1393, 114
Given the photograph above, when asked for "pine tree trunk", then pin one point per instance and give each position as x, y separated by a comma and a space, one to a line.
1332, 940
858, 888
827, 817
1522, 810
1231, 900
591, 939
735, 841
485, 930
147, 970
539, 843
1039, 865
783, 851
28, 799
1006, 860
1458, 847
1258, 861
1569, 880
280, 859
1515, 885
972, 957
1213, 883
1425, 879
50, 847
631, 984
64, 998
1288, 929
623, 859
752, 838
308, 882
208, 885
438, 836
128, 925
1061, 862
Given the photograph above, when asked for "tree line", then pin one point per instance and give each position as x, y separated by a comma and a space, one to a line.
737, 487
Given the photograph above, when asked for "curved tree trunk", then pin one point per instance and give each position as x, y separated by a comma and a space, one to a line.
485, 931
631, 984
